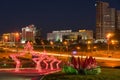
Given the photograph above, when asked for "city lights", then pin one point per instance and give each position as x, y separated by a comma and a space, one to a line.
75, 38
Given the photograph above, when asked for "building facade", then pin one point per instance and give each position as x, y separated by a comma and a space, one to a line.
28, 33
105, 20
118, 19
69, 35
11, 38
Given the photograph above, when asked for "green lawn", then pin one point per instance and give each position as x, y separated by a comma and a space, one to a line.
106, 74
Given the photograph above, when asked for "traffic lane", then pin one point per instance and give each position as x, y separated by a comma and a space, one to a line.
108, 63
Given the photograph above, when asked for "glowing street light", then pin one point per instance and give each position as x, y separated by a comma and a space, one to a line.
16, 38
66, 44
88, 44
109, 35
114, 42
43, 44
6, 39
78, 48
52, 44
95, 48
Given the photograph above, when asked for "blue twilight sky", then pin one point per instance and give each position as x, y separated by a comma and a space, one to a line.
49, 15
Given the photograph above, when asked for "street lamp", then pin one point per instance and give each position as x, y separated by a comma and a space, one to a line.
52, 44
95, 48
6, 39
66, 45
88, 44
114, 42
109, 35
16, 38
78, 49
43, 44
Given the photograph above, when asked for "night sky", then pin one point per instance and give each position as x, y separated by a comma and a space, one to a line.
49, 15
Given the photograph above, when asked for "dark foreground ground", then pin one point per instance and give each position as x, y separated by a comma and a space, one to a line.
106, 74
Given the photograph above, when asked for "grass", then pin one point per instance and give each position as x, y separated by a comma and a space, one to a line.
106, 74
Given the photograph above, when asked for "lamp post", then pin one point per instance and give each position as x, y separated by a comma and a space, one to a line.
108, 41
60, 48
78, 49
66, 45
6, 39
16, 36
88, 45
95, 48
52, 44
43, 44
114, 43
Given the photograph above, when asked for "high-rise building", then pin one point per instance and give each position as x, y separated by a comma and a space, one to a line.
118, 19
28, 33
105, 20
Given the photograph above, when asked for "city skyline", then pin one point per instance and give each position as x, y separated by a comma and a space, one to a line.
49, 15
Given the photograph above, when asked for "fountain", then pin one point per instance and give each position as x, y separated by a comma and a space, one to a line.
51, 64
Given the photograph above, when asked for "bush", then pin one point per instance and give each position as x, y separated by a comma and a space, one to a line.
86, 66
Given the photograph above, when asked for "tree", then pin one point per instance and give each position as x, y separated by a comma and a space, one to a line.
38, 36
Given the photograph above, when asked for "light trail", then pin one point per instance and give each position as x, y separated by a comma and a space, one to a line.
66, 55
100, 58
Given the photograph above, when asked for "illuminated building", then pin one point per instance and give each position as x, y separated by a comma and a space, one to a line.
105, 19
11, 38
6, 37
118, 19
28, 33
69, 35
57, 35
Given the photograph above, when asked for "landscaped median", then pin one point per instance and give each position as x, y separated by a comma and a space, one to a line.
84, 69
106, 74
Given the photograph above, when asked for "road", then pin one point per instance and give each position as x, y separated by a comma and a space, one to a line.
102, 61
101, 57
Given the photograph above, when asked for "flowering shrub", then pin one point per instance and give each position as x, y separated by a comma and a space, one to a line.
83, 66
